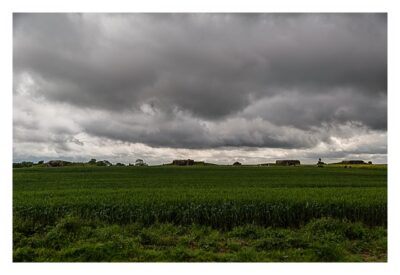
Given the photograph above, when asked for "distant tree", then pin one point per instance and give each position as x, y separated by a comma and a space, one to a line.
237, 163
92, 161
40, 162
140, 162
107, 163
369, 162
120, 164
320, 163
23, 164
101, 163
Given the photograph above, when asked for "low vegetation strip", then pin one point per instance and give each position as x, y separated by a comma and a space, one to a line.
72, 239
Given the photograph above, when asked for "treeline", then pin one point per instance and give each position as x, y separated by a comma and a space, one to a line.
25, 164
61, 163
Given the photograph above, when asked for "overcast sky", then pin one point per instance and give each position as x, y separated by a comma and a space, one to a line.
214, 87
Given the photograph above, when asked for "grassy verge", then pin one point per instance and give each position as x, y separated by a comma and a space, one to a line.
72, 239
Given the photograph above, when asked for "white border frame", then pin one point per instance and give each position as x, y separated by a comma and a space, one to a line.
8, 7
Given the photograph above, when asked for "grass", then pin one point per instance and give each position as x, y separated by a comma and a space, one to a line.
72, 239
206, 213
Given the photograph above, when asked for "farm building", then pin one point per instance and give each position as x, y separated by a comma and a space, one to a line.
183, 162
288, 162
55, 163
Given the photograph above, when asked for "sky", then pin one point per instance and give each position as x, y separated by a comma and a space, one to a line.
219, 88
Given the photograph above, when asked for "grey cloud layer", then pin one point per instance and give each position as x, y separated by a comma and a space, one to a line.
205, 80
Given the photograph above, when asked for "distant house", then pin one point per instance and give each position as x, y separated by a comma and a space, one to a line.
55, 163
288, 162
183, 162
353, 162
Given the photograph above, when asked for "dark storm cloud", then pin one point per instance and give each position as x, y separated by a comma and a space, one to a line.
209, 80
183, 131
340, 106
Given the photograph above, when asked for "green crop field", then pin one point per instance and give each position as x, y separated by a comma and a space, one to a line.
200, 213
